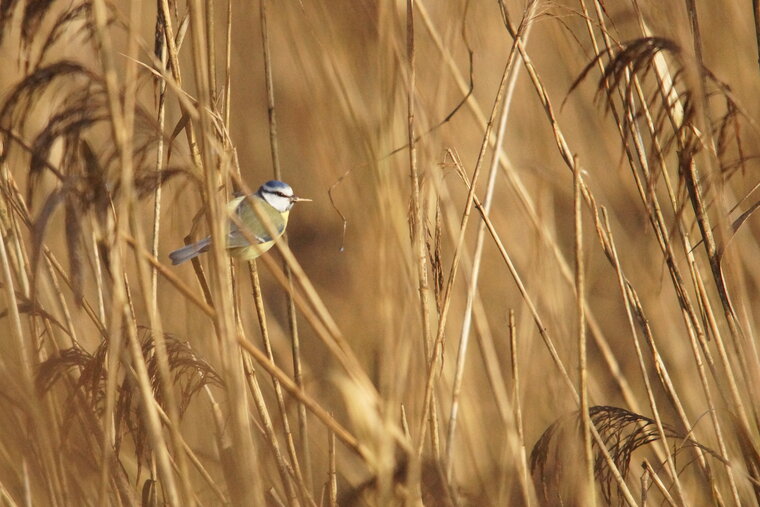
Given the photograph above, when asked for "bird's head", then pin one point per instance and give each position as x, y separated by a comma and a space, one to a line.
279, 195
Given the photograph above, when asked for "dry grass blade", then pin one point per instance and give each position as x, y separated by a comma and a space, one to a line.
623, 432
117, 138
437, 346
88, 373
292, 316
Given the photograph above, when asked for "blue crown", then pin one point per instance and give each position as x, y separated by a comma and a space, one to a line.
274, 186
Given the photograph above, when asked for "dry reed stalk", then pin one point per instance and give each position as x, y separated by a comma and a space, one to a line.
520, 285
651, 198
163, 57
259, 304
121, 124
25, 355
332, 475
292, 317
639, 150
349, 440
196, 461
177, 75
418, 226
558, 136
588, 493
109, 293
269, 431
311, 305
438, 343
608, 242
526, 486
526, 200
241, 450
615, 472
529, 12
671, 468
649, 472
489, 352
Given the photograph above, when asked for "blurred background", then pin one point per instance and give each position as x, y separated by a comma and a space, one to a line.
340, 82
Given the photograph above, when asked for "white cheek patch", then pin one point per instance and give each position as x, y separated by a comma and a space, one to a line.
279, 203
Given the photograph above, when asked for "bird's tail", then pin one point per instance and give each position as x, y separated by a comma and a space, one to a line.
188, 252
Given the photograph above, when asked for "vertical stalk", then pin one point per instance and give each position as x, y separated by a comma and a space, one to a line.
332, 489
580, 294
525, 483
162, 56
295, 340
464, 338
418, 231
244, 463
121, 117
438, 343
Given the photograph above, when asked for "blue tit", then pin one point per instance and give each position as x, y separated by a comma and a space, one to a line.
274, 199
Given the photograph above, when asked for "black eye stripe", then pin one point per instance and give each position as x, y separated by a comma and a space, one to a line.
276, 192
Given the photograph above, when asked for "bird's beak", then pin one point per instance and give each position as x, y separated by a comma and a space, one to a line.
295, 198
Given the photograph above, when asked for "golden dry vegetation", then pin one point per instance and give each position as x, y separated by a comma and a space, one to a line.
526, 276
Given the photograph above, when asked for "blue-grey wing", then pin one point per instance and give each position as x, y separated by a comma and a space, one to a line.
237, 239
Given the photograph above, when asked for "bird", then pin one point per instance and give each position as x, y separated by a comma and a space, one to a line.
274, 199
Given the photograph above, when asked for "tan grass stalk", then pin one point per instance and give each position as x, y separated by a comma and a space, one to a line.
10, 224
675, 113
161, 89
6, 497
121, 131
418, 224
240, 451
295, 339
559, 137
311, 304
98, 277
489, 353
649, 472
269, 431
177, 74
228, 67
196, 461
438, 344
526, 486
656, 218
332, 475
190, 454
24, 354
526, 200
692, 322
259, 304
542, 330
670, 465
340, 432
211, 49
173, 279
56, 267
145, 274
693, 178
589, 494
479, 242
658, 222
609, 245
